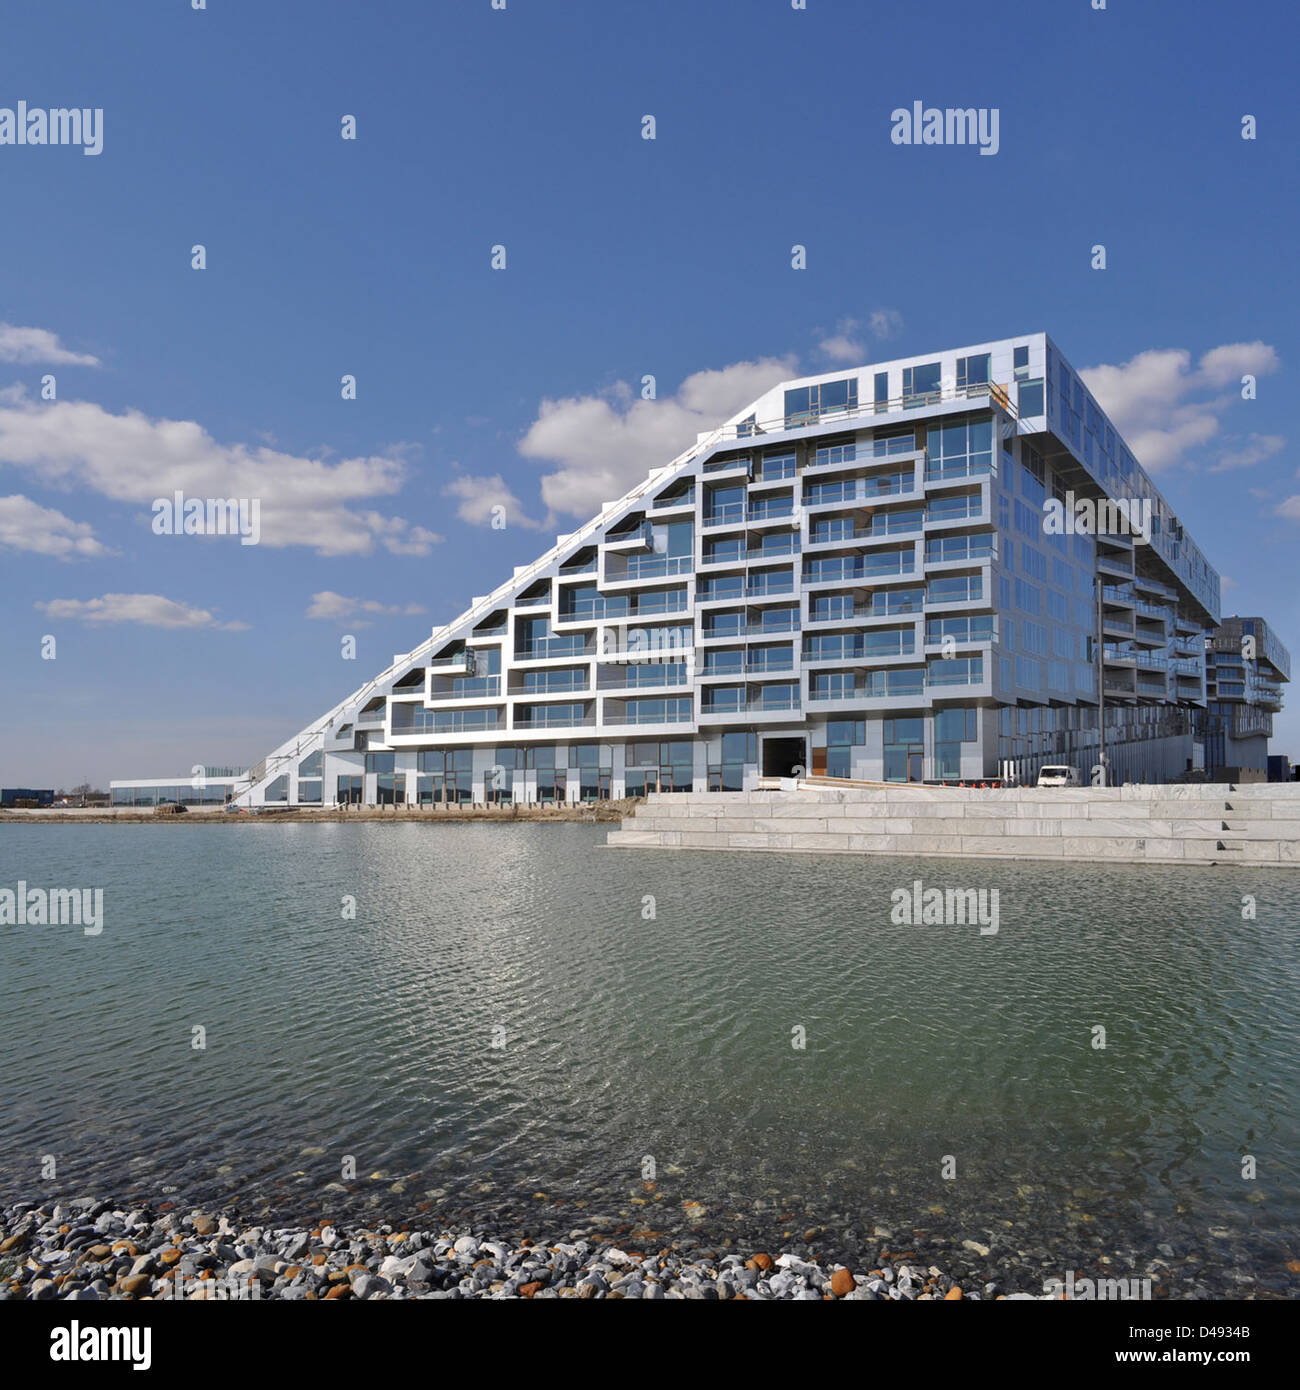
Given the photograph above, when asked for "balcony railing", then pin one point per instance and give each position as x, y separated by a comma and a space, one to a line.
863, 490
549, 647
482, 688
649, 717
654, 567
641, 677
963, 466
559, 720
774, 705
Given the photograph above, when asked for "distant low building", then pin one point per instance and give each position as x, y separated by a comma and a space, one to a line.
11, 797
214, 788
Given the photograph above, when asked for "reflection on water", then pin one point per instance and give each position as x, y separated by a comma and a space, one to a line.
662, 1030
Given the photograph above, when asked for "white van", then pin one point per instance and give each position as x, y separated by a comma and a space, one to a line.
1058, 776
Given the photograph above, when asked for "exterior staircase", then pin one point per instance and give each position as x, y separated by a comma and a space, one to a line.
1206, 823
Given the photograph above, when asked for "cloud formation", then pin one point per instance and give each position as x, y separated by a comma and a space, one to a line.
132, 458
1164, 406
846, 346
40, 347
480, 495
331, 607
148, 610
26, 525
1255, 449
605, 444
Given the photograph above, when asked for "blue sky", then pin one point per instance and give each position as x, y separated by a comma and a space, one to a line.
625, 257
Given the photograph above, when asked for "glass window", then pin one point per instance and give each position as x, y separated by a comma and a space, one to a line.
921, 384
973, 371
1030, 397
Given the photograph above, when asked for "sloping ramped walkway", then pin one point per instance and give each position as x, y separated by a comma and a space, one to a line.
1205, 823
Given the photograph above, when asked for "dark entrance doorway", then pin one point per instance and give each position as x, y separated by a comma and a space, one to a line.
782, 755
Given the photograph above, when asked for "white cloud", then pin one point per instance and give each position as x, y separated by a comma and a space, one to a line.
844, 345
1256, 449
479, 495
132, 458
30, 346
1164, 407
606, 444
885, 323
331, 607
149, 610
26, 525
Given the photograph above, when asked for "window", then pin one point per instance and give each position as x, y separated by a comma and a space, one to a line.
311, 765
390, 789
380, 762
955, 725
961, 449
1033, 562
828, 455
831, 608
1020, 362
1028, 597
773, 466
350, 790
904, 744
737, 750
954, 588
1030, 397
952, 728
806, 404
973, 371
921, 384
957, 670
833, 685
649, 711
885, 446
881, 392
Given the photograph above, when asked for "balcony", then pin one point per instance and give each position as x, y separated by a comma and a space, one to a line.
851, 570
480, 688
463, 661
654, 675
863, 490
962, 550
953, 470
562, 717
649, 567
772, 705
551, 648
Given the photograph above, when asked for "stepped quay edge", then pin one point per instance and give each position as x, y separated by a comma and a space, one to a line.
916, 573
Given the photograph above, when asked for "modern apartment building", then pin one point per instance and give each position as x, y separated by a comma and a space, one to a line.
1245, 668
920, 570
